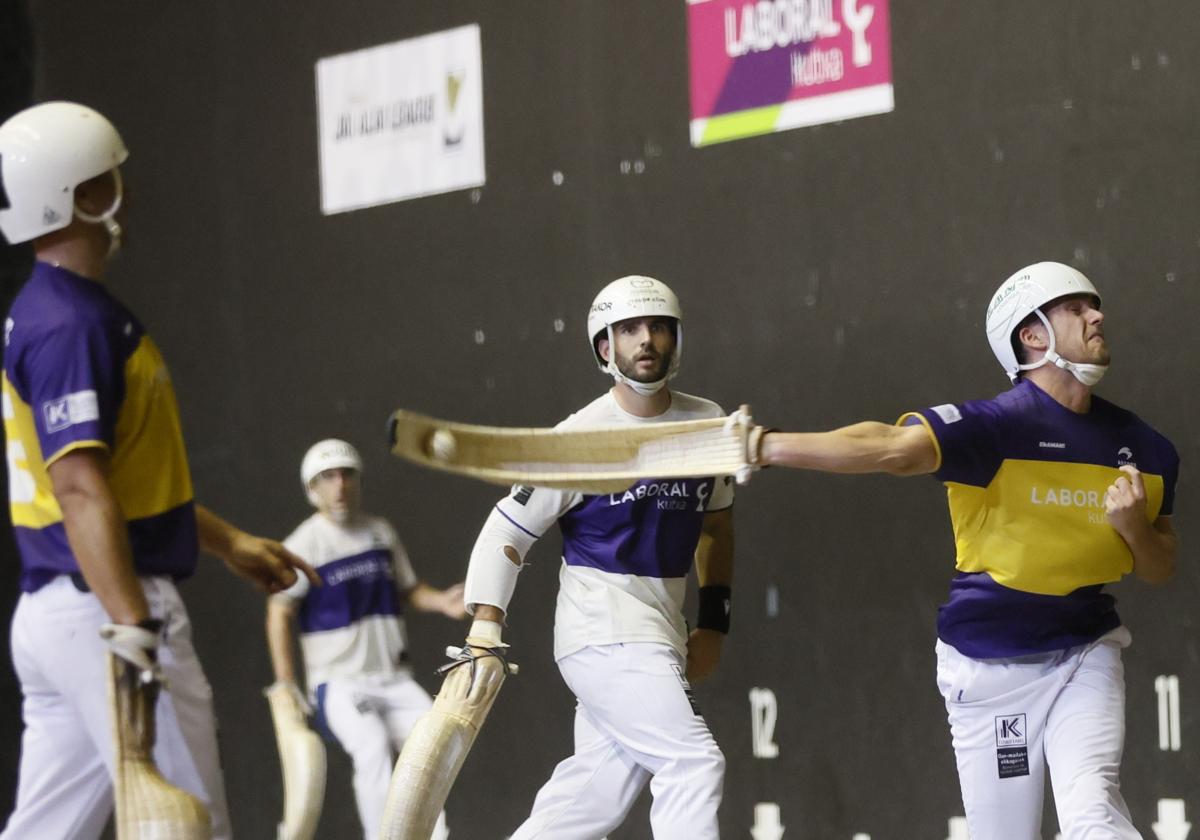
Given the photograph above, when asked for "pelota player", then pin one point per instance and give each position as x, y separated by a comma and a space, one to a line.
352, 631
619, 637
1053, 493
99, 491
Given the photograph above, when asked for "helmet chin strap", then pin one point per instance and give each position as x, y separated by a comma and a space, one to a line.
646, 389
107, 218
1088, 374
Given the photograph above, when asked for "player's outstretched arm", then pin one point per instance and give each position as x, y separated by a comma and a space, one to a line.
263, 562
867, 447
448, 601
97, 533
279, 639
1154, 545
714, 574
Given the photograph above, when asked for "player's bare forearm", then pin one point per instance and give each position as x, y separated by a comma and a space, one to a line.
98, 534
217, 536
867, 447
489, 612
264, 562
1154, 547
714, 551
447, 602
714, 567
279, 640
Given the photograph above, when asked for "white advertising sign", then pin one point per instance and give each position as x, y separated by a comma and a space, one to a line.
401, 120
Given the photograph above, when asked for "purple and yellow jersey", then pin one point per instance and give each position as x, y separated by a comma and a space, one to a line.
80, 372
1025, 480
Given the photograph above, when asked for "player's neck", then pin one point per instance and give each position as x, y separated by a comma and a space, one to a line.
348, 521
641, 405
77, 254
1062, 387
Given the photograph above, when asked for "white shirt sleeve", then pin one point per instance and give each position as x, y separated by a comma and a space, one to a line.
301, 547
402, 568
535, 509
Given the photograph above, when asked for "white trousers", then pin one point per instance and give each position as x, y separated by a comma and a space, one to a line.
634, 722
64, 788
371, 716
1011, 719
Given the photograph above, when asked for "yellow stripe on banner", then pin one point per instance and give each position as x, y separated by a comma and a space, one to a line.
1040, 526
937, 447
748, 123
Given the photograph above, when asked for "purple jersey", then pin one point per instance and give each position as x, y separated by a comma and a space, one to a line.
1025, 481
80, 372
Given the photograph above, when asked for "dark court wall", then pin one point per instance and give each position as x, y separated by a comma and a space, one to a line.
827, 275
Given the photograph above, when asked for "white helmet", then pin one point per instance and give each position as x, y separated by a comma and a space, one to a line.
1024, 294
328, 454
633, 297
46, 152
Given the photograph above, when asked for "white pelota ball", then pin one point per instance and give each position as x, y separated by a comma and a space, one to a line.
442, 446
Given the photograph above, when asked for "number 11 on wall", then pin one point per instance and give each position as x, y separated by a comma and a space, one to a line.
1167, 688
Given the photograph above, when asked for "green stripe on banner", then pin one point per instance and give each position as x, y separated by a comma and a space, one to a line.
746, 123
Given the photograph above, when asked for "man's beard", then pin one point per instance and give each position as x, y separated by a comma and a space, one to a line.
628, 368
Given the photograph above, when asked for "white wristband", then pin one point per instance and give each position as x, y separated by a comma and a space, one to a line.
485, 631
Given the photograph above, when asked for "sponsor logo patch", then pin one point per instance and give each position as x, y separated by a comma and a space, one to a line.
687, 690
522, 495
948, 413
1012, 750
70, 410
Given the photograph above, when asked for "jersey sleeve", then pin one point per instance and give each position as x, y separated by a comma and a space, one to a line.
402, 568
965, 439
72, 378
299, 546
535, 509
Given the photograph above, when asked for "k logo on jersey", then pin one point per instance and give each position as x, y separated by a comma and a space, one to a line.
522, 494
70, 409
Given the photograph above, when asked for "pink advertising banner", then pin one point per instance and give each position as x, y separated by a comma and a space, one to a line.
770, 65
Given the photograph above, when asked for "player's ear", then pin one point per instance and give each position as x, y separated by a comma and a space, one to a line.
1033, 336
602, 348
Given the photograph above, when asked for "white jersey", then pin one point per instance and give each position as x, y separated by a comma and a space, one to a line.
625, 555
352, 625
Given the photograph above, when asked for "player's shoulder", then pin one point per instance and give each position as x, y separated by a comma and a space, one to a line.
690, 407
303, 535
1132, 424
53, 296
601, 411
1019, 401
380, 527
55, 305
